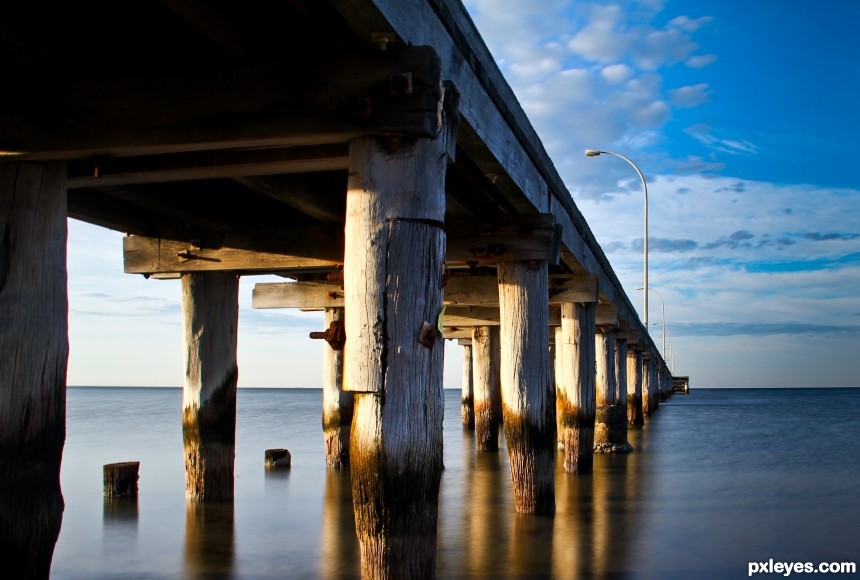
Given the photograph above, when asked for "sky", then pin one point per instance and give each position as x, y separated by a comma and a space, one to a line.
741, 115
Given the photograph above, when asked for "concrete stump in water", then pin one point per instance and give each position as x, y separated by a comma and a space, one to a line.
120, 479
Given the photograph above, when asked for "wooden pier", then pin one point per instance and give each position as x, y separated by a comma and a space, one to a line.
369, 151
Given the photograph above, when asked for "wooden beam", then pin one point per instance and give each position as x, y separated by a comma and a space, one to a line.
607, 314
304, 295
248, 103
466, 316
573, 289
471, 291
298, 192
513, 238
301, 248
104, 171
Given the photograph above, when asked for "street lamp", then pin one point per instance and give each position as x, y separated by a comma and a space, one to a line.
595, 153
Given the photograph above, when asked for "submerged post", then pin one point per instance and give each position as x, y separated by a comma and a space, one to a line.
528, 395
34, 348
337, 403
467, 397
486, 352
210, 317
575, 404
393, 271
634, 387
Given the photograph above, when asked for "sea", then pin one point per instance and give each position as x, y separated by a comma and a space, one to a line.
720, 479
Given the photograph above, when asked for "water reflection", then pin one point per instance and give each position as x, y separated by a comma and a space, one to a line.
119, 523
209, 541
339, 550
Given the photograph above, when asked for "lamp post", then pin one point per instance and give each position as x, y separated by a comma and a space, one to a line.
595, 153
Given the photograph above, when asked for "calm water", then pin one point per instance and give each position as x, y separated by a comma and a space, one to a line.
719, 478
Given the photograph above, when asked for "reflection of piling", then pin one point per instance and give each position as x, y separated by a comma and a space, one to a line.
575, 396
393, 270
528, 395
120, 479
339, 547
210, 309
337, 403
209, 540
487, 388
34, 350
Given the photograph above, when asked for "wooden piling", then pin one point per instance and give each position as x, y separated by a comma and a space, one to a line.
210, 309
120, 479
34, 349
575, 395
487, 389
337, 403
528, 395
393, 270
467, 397
610, 430
634, 387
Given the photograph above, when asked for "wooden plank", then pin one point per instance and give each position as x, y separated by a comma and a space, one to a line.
471, 291
504, 239
607, 314
304, 295
299, 193
110, 171
303, 248
573, 289
312, 100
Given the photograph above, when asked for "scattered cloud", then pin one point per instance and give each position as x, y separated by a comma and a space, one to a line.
761, 329
690, 96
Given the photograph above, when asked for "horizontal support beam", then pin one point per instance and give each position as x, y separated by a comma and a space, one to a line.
469, 316
606, 314
512, 238
301, 248
580, 288
247, 103
111, 171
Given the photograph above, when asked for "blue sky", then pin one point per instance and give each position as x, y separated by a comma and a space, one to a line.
741, 115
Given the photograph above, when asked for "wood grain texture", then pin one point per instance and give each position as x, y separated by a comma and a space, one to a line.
467, 397
575, 403
210, 317
634, 387
528, 395
486, 368
337, 404
34, 352
393, 269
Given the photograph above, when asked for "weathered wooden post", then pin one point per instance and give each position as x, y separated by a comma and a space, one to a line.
210, 316
605, 382
34, 350
486, 353
467, 399
647, 397
576, 404
393, 271
634, 387
528, 395
120, 479
337, 403
610, 431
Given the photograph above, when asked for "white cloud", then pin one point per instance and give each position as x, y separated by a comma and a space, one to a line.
616, 73
691, 95
700, 61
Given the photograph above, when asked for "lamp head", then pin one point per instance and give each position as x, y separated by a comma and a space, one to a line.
592, 152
